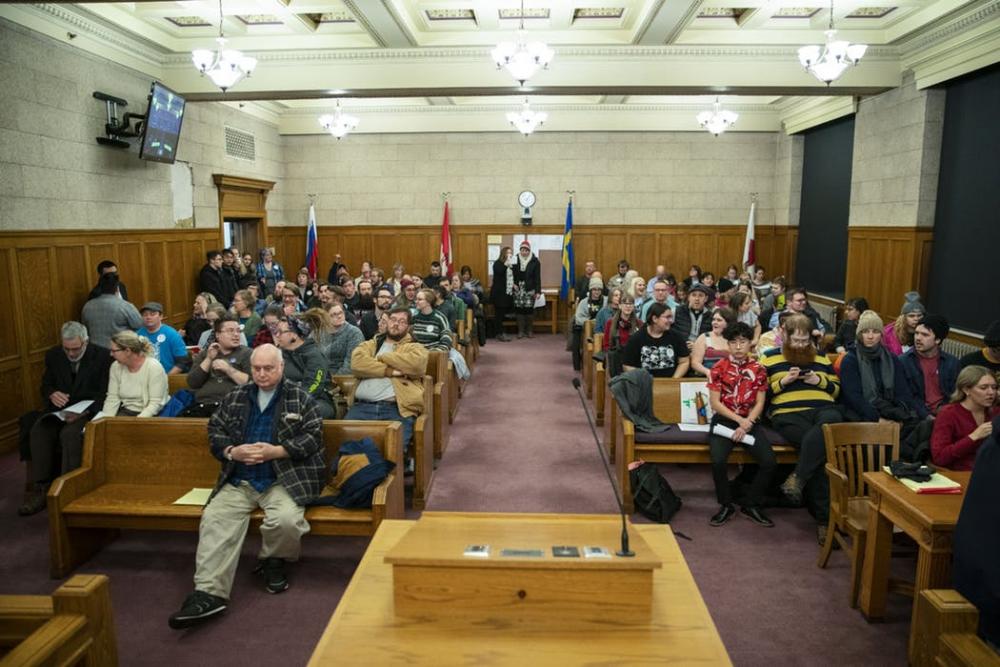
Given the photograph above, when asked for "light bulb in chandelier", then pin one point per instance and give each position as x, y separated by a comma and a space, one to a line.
225, 67
718, 120
829, 61
522, 59
339, 124
526, 121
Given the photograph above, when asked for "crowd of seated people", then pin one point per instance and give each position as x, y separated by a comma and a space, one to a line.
865, 370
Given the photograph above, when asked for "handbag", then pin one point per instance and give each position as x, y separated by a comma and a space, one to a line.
652, 495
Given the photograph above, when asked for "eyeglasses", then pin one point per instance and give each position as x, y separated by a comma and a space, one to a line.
117, 349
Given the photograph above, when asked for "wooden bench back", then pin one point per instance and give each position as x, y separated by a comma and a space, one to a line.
130, 450
667, 398
437, 366
177, 382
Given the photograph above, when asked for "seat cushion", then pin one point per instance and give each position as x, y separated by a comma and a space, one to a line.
676, 436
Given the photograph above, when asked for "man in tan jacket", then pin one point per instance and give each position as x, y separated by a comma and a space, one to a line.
391, 368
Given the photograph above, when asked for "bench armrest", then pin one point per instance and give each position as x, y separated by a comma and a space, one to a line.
72, 485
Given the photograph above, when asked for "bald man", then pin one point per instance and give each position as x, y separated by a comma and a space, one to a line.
268, 434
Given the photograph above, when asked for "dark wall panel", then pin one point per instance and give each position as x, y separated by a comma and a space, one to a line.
963, 274
821, 264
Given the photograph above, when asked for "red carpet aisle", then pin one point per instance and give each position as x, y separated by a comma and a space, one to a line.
519, 444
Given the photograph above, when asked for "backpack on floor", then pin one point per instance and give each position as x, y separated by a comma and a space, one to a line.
652, 495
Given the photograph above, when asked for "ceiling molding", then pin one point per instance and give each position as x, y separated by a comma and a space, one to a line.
802, 114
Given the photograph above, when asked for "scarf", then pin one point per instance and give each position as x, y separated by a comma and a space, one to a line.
510, 278
522, 262
867, 356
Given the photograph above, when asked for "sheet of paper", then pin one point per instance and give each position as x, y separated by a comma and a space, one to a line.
694, 428
194, 497
494, 238
492, 252
695, 406
727, 432
77, 408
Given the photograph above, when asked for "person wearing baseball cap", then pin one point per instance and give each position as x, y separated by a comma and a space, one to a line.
168, 345
693, 319
527, 284
988, 356
930, 370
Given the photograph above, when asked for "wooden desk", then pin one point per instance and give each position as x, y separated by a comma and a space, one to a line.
365, 630
928, 519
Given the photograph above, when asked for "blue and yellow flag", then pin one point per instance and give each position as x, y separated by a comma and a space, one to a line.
567, 253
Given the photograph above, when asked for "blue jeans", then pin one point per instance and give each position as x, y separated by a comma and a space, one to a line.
382, 411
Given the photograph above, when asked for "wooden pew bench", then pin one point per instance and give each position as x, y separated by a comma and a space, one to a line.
945, 625
134, 469
675, 445
72, 626
587, 354
423, 437
437, 369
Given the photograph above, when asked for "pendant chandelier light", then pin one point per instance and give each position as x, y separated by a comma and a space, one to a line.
339, 124
526, 120
522, 58
225, 67
718, 120
829, 61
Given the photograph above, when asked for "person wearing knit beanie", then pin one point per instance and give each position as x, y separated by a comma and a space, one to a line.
898, 336
869, 321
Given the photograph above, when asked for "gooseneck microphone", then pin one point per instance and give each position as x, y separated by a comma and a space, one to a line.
624, 552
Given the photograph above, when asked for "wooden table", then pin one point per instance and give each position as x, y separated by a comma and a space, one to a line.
365, 629
928, 519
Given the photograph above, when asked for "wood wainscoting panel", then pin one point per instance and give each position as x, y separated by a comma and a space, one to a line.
883, 263
9, 326
73, 281
677, 247
34, 271
49, 275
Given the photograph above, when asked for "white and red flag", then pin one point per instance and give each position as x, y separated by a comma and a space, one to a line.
749, 251
446, 258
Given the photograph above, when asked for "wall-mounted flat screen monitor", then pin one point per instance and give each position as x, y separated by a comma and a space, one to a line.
162, 129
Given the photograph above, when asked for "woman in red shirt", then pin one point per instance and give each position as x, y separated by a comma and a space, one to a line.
962, 425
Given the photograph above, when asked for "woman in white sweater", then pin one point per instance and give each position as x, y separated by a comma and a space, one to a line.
137, 386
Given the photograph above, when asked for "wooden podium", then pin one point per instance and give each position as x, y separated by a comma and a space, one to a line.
474, 613
432, 575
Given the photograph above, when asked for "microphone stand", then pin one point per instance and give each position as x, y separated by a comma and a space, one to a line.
624, 552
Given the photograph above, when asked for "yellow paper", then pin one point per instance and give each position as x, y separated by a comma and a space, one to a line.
194, 497
494, 238
937, 481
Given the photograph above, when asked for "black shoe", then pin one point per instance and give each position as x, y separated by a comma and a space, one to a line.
758, 517
275, 580
724, 514
34, 500
196, 608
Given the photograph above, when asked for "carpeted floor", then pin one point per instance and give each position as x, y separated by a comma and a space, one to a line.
520, 443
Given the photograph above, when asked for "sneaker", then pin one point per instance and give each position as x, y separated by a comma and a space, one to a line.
275, 580
758, 517
792, 488
724, 514
196, 608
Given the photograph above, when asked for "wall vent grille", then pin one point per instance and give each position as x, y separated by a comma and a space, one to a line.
240, 145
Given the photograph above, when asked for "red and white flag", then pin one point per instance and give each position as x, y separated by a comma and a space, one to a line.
446, 259
749, 251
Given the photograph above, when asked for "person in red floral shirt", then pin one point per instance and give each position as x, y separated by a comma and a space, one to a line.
737, 387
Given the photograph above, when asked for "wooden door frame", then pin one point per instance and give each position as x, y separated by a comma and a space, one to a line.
241, 197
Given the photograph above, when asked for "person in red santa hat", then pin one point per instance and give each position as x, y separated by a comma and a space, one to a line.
527, 284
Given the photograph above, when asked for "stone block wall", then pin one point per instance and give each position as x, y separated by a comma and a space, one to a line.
651, 178
897, 152
54, 175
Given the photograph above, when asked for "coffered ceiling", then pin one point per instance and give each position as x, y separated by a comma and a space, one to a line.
424, 65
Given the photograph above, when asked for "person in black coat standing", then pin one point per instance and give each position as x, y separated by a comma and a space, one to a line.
76, 370
502, 290
211, 279
975, 571
527, 285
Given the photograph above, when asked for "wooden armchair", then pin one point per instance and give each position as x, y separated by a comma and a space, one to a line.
851, 451
944, 630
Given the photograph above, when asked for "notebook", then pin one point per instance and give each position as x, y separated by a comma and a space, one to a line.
938, 484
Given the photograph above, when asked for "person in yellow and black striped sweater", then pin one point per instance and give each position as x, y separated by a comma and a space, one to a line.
802, 396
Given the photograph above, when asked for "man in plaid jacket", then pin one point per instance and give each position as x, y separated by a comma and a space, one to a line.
268, 434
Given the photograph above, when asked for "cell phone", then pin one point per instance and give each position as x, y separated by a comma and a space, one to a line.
806, 372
